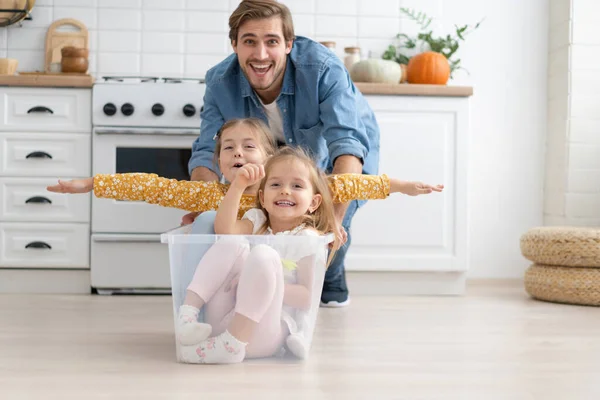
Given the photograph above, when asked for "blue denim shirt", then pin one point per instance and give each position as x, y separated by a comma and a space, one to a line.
322, 109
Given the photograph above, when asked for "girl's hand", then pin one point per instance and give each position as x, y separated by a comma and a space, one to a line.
249, 175
73, 186
417, 188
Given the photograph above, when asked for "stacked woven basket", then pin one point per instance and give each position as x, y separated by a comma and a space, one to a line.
566, 265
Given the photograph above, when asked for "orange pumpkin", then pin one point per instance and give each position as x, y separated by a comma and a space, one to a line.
429, 67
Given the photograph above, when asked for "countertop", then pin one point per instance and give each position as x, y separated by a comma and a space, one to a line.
407, 89
398, 89
56, 80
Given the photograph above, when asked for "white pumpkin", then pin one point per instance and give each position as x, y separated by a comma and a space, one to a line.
376, 70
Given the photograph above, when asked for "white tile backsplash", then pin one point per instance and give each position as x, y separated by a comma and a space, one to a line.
163, 42
197, 65
163, 21
41, 16
207, 5
113, 19
163, 5
378, 27
162, 64
336, 26
199, 21
336, 7
75, 3
298, 6
207, 43
118, 63
383, 8
87, 16
3, 38
119, 41
190, 36
119, 3
26, 39
304, 25
29, 60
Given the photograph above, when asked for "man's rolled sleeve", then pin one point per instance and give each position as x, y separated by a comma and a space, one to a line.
203, 148
343, 129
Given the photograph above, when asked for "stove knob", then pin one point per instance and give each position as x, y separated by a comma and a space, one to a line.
109, 109
189, 110
127, 109
158, 109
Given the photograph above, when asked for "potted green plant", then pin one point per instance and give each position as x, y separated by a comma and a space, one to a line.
444, 45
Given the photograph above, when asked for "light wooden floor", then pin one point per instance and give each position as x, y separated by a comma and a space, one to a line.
493, 343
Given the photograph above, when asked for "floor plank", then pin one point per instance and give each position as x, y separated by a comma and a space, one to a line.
493, 343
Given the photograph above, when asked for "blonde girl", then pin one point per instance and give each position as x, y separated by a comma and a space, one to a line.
246, 293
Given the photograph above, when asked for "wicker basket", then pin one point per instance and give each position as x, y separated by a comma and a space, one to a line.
570, 285
562, 246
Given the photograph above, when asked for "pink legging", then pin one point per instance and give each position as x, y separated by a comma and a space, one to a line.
259, 294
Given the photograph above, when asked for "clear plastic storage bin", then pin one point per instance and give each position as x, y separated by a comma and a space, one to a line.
303, 261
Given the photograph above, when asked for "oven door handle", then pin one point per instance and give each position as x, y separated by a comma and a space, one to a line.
126, 238
147, 131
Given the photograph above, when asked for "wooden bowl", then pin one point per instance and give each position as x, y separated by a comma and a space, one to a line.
74, 59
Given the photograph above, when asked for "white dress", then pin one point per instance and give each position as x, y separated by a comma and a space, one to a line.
296, 320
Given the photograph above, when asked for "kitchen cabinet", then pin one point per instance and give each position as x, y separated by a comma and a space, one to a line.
423, 138
45, 133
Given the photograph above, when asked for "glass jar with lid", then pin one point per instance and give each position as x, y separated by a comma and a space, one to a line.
352, 55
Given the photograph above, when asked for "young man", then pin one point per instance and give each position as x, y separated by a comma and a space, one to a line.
305, 94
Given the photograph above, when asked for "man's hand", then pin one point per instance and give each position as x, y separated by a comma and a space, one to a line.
73, 186
341, 237
189, 218
344, 164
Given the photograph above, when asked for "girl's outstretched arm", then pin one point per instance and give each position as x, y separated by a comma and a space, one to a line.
185, 195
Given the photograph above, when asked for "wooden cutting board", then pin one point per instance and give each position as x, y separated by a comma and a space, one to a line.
56, 40
41, 79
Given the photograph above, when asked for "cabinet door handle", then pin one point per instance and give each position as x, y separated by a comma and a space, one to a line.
38, 154
38, 245
40, 109
38, 200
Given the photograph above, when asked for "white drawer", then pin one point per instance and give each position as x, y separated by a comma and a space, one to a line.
47, 109
54, 245
26, 199
39, 154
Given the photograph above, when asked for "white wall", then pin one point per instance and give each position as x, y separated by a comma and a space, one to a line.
507, 59
572, 191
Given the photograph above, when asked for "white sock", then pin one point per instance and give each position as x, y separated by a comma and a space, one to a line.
222, 349
189, 330
297, 345
296, 342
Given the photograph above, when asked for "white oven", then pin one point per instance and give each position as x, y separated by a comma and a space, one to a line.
165, 152
140, 124
125, 245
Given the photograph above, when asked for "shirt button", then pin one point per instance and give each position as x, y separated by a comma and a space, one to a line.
285, 110
290, 140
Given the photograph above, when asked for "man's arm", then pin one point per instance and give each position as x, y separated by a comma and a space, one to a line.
203, 174
201, 166
343, 129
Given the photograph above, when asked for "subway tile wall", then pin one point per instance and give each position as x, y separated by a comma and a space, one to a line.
187, 37
572, 184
